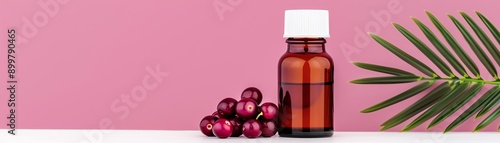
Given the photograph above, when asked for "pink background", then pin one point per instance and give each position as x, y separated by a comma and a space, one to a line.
85, 55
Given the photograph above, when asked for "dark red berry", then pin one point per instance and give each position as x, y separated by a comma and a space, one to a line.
252, 93
216, 114
252, 128
226, 107
269, 110
269, 128
246, 108
222, 128
206, 125
237, 123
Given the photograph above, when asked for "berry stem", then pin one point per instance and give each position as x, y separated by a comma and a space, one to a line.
260, 114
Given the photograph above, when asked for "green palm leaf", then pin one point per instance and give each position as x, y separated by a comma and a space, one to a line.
492, 117
475, 47
495, 99
438, 107
382, 69
474, 108
454, 45
400, 97
459, 103
387, 79
418, 106
424, 49
490, 26
405, 56
452, 94
483, 38
440, 47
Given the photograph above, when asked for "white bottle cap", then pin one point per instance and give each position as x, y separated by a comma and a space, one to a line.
306, 23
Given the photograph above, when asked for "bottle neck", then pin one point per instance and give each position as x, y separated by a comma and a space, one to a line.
306, 45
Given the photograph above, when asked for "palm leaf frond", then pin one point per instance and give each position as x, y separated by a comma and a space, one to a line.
457, 89
474, 108
425, 50
454, 45
459, 103
418, 106
440, 47
400, 97
483, 38
475, 47
438, 107
405, 56
382, 69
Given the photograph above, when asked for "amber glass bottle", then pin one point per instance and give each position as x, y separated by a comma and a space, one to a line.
305, 82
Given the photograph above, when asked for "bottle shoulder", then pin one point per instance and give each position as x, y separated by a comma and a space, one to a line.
320, 59
305, 68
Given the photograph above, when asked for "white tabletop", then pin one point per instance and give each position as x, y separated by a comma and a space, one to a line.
161, 136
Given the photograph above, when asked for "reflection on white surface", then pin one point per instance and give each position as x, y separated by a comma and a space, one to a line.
275, 139
159, 136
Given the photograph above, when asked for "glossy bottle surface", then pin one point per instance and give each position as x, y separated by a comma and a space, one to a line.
305, 76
